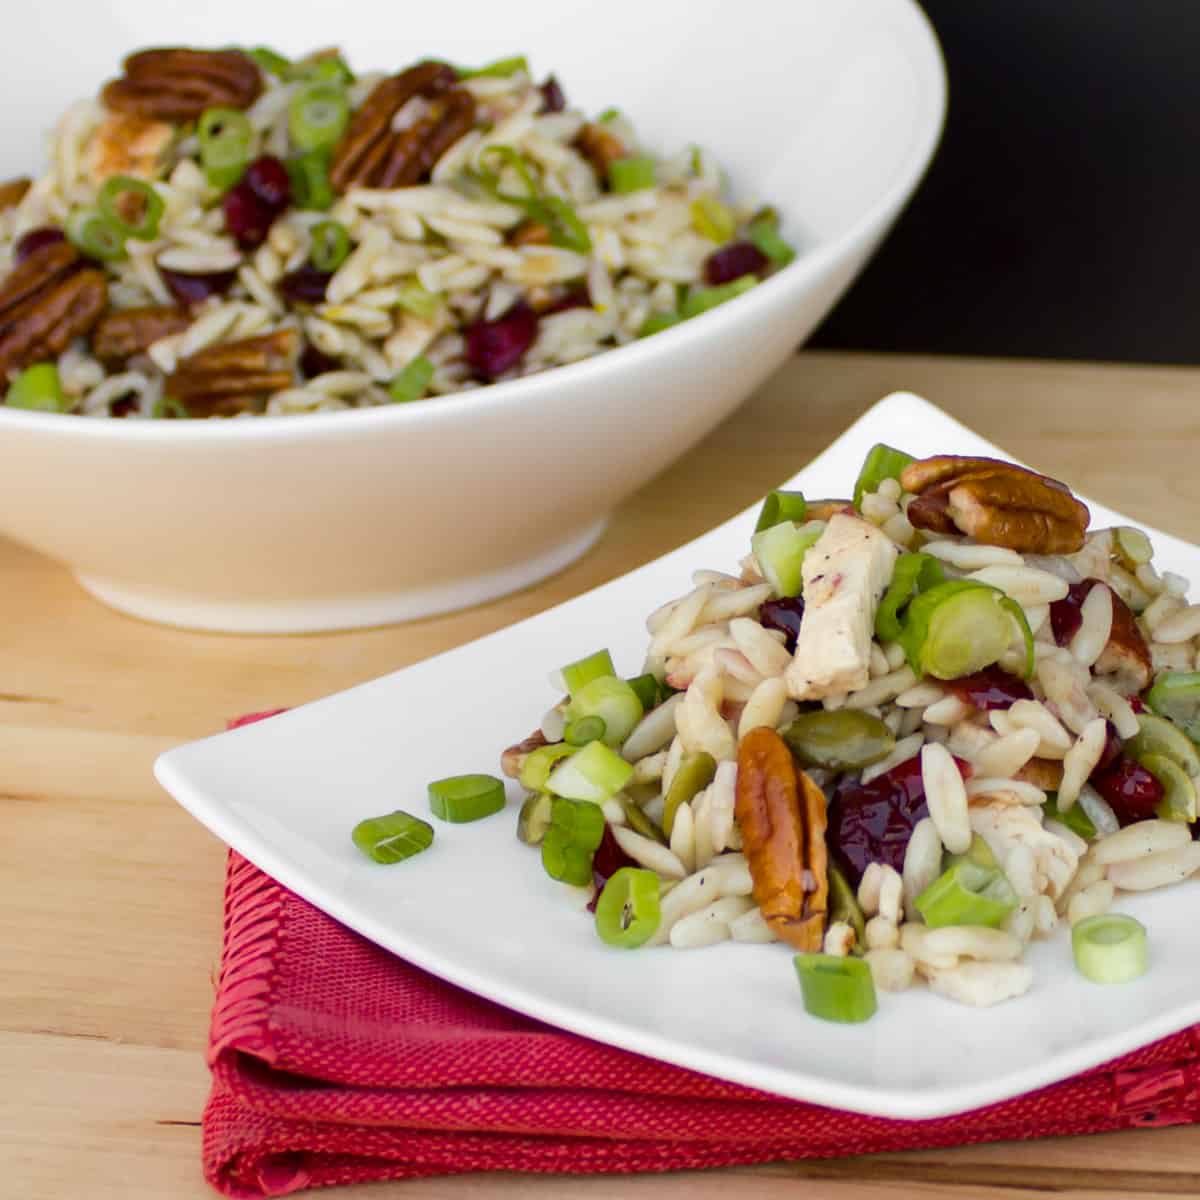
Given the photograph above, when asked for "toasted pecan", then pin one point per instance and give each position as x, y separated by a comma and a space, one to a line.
600, 146
1126, 657
120, 335
178, 84
12, 192
45, 303
235, 377
514, 757
372, 154
995, 502
781, 814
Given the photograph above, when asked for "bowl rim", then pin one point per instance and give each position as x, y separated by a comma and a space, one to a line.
770, 292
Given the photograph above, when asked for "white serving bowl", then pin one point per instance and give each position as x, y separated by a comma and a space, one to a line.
831, 111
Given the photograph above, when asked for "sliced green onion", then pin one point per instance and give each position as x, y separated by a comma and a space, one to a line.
570, 842
957, 628
226, 145
1110, 948
1179, 793
584, 670
696, 771
1176, 696
628, 913
462, 798
647, 689
122, 195
534, 818
392, 838
1075, 819
309, 176
412, 382
632, 174
978, 852
555, 213
330, 245
502, 68
967, 894
593, 773
836, 989
1133, 546
766, 237
317, 116
93, 234
700, 300
508, 157
583, 730
1021, 621
843, 739
882, 462
566, 229
712, 219
1157, 735
538, 764
779, 551
609, 114
780, 506
270, 60
696, 160
613, 701
39, 389
413, 298
656, 322
330, 69
167, 407
912, 573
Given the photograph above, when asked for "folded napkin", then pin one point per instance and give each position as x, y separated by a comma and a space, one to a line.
335, 1062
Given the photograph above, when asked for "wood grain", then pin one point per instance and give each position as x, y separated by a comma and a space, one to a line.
110, 894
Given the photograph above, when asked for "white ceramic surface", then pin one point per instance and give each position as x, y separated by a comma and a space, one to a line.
334, 520
478, 910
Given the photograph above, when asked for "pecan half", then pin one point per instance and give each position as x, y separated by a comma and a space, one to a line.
782, 817
45, 303
1126, 657
235, 377
178, 84
120, 335
12, 192
600, 146
514, 757
995, 502
373, 154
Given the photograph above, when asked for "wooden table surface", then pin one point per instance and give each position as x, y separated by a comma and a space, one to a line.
110, 894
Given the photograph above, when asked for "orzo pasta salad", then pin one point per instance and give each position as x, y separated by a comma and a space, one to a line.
230, 233
911, 732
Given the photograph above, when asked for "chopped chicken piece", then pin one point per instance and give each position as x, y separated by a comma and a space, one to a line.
124, 144
1006, 826
845, 573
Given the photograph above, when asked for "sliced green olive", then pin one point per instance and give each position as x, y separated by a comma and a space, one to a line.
844, 906
639, 822
534, 818
1179, 793
1158, 736
695, 773
842, 740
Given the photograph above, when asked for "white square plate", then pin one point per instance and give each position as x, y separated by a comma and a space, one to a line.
478, 910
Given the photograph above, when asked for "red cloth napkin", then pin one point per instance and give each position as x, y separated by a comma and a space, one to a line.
335, 1062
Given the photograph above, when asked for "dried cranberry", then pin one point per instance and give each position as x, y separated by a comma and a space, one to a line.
268, 179
1130, 789
246, 216
783, 615
1112, 748
553, 98
608, 860
1137, 704
124, 406
1065, 614
990, 688
733, 261
35, 239
493, 347
194, 289
305, 285
314, 362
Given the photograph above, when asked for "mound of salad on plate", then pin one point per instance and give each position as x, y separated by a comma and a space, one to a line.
912, 731
229, 233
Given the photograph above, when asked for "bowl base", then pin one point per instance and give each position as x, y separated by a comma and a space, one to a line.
215, 615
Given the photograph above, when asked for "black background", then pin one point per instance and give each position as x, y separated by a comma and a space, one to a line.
1061, 215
